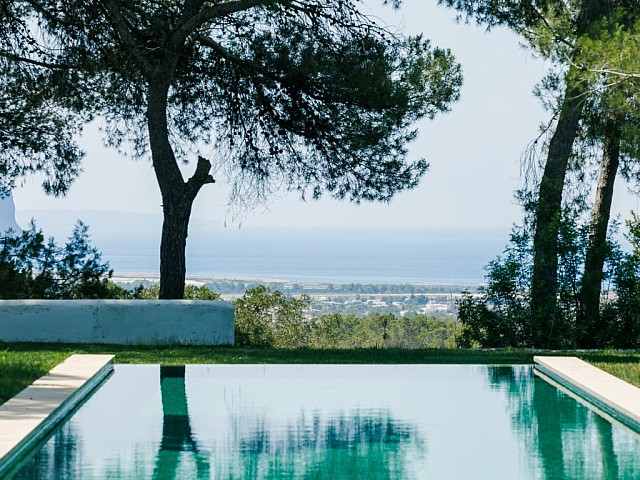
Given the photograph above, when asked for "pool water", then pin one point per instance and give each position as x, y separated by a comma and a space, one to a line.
332, 422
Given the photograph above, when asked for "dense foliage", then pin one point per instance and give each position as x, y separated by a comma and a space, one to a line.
34, 267
37, 127
266, 318
500, 315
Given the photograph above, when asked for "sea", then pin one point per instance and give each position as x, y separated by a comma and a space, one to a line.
429, 256
420, 256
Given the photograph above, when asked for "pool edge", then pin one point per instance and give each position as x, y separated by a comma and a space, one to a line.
38, 409
607, 393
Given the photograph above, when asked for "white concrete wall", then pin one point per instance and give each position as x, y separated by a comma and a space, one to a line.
144, 322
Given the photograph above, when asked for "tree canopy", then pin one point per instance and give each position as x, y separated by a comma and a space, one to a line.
37, 127
592, 114
312, 96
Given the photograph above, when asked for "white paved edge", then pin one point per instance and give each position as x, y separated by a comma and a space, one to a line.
614, 396
38, 409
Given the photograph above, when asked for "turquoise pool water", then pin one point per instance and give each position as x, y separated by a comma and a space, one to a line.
333, 421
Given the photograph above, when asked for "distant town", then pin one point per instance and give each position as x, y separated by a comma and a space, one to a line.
345, 298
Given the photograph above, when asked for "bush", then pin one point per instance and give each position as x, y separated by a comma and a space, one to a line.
191, 292
621, 317
31, 267
383, 330
500, 316
266, 318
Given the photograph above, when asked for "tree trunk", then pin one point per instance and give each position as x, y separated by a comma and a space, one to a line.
177, 195
547, 221
173, 268
591, 285
544, 286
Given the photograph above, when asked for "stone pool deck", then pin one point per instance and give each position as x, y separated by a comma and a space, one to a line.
35, 411
613, 396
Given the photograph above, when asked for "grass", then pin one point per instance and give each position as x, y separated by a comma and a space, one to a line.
18, 368
22, 363
624, 366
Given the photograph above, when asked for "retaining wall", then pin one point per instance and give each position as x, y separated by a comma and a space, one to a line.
126, 322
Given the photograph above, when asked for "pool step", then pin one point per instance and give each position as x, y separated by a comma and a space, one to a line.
614, 396
34, 412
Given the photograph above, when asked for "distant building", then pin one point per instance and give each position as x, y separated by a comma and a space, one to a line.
434, 307
8, 215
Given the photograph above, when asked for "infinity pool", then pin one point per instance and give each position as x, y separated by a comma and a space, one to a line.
333, 422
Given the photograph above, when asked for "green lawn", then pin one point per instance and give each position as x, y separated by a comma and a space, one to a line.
21, 363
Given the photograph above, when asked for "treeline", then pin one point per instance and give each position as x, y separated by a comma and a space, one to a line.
240, 286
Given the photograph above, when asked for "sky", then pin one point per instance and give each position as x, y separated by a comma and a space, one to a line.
474, 151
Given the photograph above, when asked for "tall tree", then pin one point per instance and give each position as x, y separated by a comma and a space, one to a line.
306, 95
562, 32
613, 119
591, 283
608, 122
544, 288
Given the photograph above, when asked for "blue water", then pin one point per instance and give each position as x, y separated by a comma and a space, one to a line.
433, 256
334, 422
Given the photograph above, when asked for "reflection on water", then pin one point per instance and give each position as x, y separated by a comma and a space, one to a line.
566, 438
59, 456
304, 422
177, 439
367, 444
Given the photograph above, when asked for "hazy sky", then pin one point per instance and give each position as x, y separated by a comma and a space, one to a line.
474, 151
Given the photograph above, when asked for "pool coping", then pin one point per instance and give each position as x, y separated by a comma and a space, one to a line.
613, 396
37, 410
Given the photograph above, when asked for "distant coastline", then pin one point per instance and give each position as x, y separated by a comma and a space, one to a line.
238, 285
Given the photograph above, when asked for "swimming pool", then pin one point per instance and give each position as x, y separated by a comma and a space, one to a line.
333, 421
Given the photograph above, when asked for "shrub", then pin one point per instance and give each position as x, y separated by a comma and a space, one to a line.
500, 316
191, 292
621, 317
266, 318
31, 267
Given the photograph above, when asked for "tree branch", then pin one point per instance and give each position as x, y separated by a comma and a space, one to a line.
200, 177
192, 23
122, 28
38, 63
606, 71
209, 42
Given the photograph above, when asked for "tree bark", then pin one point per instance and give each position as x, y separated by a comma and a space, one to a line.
173, 267
591, 284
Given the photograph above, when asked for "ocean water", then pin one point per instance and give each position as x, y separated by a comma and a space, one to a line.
130, 242
427, 256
